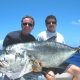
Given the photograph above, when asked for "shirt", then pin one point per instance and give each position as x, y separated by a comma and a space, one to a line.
45, 35
17, 37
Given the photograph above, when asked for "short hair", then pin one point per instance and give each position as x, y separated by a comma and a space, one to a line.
27, 17
52, 17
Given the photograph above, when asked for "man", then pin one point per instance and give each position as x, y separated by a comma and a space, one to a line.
21, 36
51, 23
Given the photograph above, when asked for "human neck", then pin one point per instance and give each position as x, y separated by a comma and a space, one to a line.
51, 31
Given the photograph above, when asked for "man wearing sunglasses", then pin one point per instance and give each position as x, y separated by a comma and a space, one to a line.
21, 36
51, 23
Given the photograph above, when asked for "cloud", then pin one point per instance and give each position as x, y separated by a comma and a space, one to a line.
76, 22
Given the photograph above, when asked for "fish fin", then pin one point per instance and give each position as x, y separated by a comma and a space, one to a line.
37, 66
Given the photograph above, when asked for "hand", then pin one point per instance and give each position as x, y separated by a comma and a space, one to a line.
74, 71
50, 75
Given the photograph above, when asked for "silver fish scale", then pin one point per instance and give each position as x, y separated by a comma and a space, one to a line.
19, 57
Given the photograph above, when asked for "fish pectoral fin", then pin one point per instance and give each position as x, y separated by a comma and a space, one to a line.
36, 66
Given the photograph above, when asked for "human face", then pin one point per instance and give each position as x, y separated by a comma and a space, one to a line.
51, 25
27, 25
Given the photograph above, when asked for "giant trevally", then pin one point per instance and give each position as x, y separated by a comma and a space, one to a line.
23, 58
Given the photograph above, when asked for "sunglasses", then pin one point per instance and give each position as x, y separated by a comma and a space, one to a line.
51, 22
29, 24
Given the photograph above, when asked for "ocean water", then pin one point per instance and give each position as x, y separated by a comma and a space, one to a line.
75, 59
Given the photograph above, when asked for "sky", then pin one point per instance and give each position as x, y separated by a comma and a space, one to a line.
67, 13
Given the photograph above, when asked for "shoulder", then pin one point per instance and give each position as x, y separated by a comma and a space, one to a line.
41, 33
41, 36
60, 38
14, 33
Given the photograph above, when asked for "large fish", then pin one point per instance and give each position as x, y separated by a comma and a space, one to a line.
23, 58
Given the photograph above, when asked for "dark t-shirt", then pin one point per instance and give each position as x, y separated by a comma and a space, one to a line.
17, 37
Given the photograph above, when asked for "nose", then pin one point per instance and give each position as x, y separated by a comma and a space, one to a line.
51, 23
26, 25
